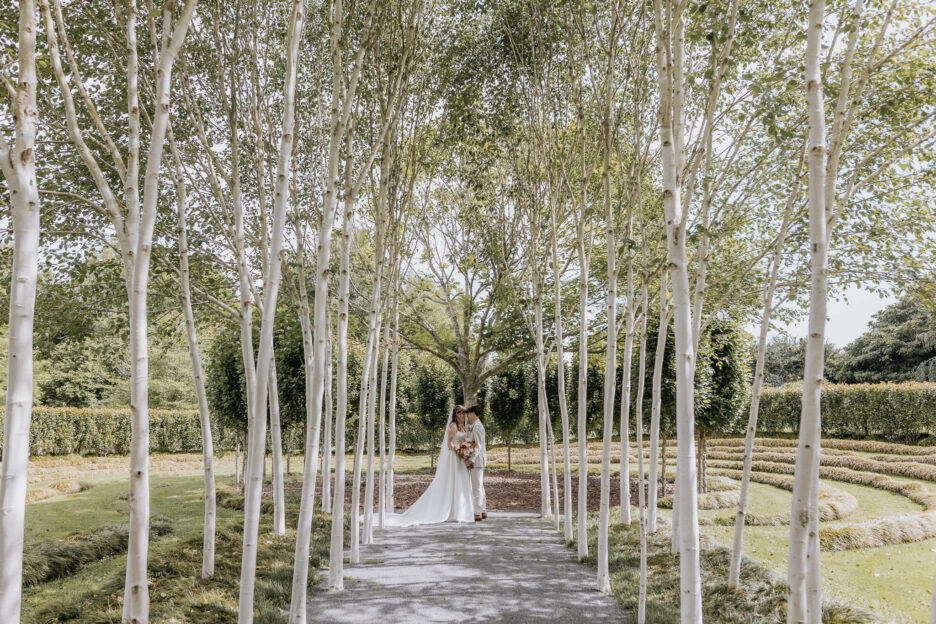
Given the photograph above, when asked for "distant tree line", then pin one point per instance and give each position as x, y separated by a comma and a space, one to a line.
899, 345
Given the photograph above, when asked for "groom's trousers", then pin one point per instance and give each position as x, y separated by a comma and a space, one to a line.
477, 491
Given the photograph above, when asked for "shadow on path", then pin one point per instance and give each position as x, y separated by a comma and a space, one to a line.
510, 568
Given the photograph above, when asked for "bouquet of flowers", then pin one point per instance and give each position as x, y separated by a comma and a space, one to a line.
465, 450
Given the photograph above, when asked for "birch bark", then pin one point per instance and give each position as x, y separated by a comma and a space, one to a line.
257, 435
204, 415
641, 488
670, 73
18, 164
136, 593
803, 593
276, 441
560, 373
327, 433
734, 568
382, 474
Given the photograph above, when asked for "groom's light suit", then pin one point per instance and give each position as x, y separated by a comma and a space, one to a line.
476, 435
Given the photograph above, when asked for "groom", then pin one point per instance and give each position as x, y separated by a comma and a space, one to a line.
478, 459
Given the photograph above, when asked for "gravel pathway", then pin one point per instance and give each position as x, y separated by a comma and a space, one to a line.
509, 568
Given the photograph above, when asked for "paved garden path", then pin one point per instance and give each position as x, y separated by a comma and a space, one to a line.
509, 568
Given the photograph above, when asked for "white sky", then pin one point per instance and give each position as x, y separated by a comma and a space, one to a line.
848, 317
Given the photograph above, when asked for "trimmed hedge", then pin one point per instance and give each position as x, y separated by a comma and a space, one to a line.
890, 411
79, 431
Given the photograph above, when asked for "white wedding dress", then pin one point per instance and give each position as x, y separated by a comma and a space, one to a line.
448, 497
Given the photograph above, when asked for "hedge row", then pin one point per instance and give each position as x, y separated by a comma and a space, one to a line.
890, 411
81, 431
77, 431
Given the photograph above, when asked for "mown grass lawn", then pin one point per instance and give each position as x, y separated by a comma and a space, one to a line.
894, 581
178, 594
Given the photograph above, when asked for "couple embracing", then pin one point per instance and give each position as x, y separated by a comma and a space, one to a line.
456, 493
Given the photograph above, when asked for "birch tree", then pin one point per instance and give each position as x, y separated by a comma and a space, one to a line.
670, 32
343, 123
608, 129
18, 165
257, 432
204, 416
133, 222
734, 570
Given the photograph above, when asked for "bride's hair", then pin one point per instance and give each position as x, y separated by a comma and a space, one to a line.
455, 410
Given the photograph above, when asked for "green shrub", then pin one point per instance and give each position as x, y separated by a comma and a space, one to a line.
83, 431
891, 411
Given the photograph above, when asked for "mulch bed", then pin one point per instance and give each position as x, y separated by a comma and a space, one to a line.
506, 491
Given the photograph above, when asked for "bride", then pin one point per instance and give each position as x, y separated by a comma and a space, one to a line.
448, 497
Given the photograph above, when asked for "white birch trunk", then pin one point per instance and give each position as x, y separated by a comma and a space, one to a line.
685, 512
19, 170
804, 597
136, 592
625, 516
370, 357
276, 441
382, 483
541, 405
254, 477
734, 568
315, 389
553, 470
545, 498
581, 408
604, 579
560, 377
336, 551
204, 415
327, 428
655, 403
641, 491
394, 367
371, 417
342, 98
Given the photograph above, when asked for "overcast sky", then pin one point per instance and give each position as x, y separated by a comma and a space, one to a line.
846, 319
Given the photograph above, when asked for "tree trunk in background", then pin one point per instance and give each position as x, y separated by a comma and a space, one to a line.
265, 352
382, 473
541, 406
276, 441
625, 516
336, 551
734, 568
581, 536
360, 440
641, 488
560, 377
553, 471
327, 433
655, 404
394, 368
804, 597
604, 513
237, 466
204, 415
19, 170
371, 451
604, 579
